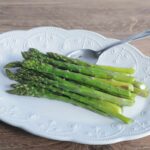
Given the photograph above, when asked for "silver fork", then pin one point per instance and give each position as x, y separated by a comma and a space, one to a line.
92, 56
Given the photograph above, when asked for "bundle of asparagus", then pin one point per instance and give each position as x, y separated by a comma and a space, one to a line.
102, 89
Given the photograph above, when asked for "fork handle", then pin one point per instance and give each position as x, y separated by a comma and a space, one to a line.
128, 39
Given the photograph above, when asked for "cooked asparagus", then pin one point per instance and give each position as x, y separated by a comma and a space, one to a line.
78, 62
91, 71
102, 89
124, 85
69, 86
80, 78
102, 107
141, 92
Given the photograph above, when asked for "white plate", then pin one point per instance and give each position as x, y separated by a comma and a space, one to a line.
62, 121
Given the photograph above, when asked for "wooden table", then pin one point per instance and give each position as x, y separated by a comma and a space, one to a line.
112, 18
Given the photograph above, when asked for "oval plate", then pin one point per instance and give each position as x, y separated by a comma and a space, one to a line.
62, 121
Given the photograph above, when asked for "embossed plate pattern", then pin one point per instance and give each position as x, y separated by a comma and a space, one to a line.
62, 121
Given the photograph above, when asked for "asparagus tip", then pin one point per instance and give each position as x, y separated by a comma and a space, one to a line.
11, 91
13, 65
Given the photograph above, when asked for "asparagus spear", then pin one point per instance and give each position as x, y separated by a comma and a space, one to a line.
69, 86
139, 85
95, 82
91, 71
141, 92
104, 107
119, 69
78, 62
78, 99
28, 90
124, 85
140, 89
100, 105
127, 86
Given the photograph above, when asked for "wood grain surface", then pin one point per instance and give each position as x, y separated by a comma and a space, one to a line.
112, 18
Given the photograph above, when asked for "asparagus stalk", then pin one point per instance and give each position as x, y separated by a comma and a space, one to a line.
91, 71
141, 92
119, 69
127, 86
106, 107
28, 90
69, 86
78, 62
124, 85
60, 93
139, 85
140, 89
94, 82
92, 102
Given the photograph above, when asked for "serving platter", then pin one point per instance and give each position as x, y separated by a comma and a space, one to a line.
63, 121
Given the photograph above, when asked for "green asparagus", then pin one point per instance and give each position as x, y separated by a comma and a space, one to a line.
102, 89
28, 90
102, 107
124, 85
91, 81
139, 85
69, 86
141, 92
92, 102
127, 86
91, 71
78, 62
118, 69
